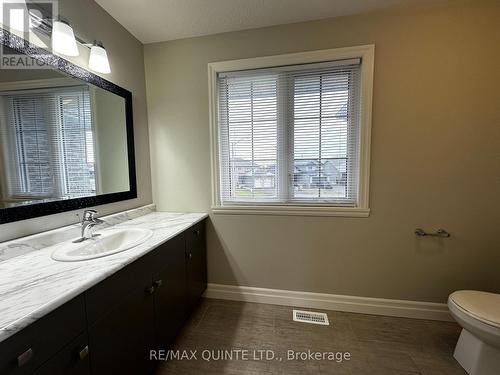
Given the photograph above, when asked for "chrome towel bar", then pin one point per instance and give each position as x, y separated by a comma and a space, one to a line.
439, 233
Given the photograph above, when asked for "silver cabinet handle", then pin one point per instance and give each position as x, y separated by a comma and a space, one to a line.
197, 232
84, 352
24, 358
157, 283
150, 289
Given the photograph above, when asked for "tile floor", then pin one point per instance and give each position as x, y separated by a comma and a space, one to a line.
378, 345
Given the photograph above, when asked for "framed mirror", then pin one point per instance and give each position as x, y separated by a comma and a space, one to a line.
66, 136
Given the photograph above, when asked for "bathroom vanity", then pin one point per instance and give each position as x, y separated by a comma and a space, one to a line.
68, 144
91, 306
103, 316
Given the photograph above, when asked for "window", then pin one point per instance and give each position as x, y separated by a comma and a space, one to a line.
52, 140
293, 137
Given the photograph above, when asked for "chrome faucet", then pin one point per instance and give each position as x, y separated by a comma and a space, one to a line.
88, 222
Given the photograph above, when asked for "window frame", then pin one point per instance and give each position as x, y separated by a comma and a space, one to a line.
366, 54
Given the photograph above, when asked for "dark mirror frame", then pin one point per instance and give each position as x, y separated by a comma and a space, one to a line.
64, 66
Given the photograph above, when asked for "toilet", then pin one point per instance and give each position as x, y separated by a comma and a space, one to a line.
478, 348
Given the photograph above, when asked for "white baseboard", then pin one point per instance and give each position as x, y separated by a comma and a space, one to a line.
363, 305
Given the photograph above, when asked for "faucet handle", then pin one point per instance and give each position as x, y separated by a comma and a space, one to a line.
89, 214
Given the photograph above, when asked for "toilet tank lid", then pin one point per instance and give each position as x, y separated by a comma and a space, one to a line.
481, 305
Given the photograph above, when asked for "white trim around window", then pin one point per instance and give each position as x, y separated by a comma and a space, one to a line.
361, 209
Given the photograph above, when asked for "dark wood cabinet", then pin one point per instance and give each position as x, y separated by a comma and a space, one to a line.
179, 279
170, 296
196, 264
111, 328
120, 315
119, 342
36, 344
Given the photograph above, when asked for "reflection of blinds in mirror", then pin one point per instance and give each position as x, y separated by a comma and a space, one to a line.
51, 143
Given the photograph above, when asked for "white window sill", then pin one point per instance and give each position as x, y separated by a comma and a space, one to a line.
291, 211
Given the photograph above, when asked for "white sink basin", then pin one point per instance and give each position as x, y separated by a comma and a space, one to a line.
109, 242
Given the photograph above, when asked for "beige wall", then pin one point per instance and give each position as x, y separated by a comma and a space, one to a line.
125, 53
435, 157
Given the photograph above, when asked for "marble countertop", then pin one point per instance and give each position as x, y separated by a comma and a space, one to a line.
33, 284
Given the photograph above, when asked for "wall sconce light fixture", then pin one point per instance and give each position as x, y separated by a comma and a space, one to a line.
98, 60
63, 39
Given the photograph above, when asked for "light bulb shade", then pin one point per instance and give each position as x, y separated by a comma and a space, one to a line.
98, 60
63, 39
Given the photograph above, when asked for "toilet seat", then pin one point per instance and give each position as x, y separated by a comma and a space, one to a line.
482, 306
478, 347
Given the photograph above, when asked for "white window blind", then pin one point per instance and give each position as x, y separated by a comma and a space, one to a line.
290, 135
51, 139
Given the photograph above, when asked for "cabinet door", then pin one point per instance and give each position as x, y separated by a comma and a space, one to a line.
196, 256
122, 334
72, 360
170, 300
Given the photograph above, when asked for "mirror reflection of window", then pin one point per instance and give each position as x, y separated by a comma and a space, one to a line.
50, 143
60, 138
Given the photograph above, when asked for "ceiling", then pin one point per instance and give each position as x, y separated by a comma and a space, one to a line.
160, 20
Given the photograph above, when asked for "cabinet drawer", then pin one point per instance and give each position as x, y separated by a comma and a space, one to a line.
37, 343
71, 360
